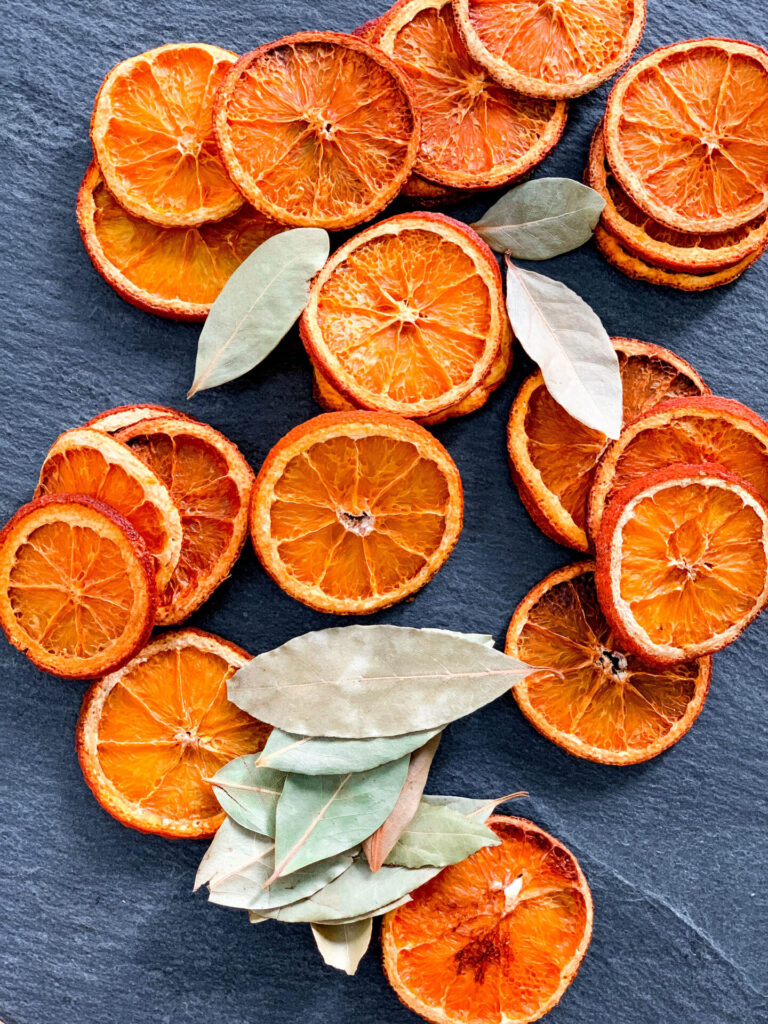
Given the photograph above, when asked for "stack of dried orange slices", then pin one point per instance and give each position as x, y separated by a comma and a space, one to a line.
681, 160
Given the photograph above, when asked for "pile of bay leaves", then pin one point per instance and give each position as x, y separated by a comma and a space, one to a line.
328, 824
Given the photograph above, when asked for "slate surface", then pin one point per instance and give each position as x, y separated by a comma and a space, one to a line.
98, 923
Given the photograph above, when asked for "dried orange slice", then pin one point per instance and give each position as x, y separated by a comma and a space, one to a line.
153, 138
682, 562
686, 134
211, 483
558, 49
495, 939
112, 420
639, 270
354, 511
474, 132
600, 702
151, 734
407, 316
173, 272
429, 193
85, 461
658, 245
682, 430
317, 129
553, 456
77, 586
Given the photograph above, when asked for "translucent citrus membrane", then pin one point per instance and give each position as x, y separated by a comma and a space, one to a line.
398, 331
556, 42
358, 517
320, 128
603, 696
160, 133
69, 590
470, 125
185, 264
198, 477
695, 128
167, 725
566, 452
469, 938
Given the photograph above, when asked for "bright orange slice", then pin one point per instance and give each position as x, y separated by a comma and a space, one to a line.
474, 132
683, 430
407, 316
558, 49
647, 240
682, 562
211, 483
495, 939
77, 586
112, 420
553, 456
85, 461
686, 134
152, 134
355, 511
150, 735
173, 272
600, 702
317, 129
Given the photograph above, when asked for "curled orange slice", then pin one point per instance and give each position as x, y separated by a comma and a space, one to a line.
113, 420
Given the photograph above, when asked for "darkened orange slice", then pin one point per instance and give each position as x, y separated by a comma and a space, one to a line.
426, 194
150, 735
495, 939
77, 586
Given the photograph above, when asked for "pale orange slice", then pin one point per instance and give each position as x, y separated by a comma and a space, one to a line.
113, 420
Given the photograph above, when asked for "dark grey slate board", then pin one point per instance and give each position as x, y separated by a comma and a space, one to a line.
98, 923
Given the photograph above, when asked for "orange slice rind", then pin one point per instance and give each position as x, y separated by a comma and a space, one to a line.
113, 420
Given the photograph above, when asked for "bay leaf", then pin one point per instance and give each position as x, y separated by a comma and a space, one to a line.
343, 946
370, 681
322, 815
308, 755
249, 793
378, 846
471, 807
375, 913
542, 218
439, 836
259, 303
564, 335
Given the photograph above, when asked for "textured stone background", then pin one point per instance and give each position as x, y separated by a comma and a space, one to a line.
98, 923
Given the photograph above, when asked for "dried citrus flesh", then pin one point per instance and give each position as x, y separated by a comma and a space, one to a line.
77, 586
152, 134
682, 430
211, 483
555, 49
553, 456
474, 132
639, 270
354, 511
112, 420
317, 129
86, 461
150, 735
407, 316
647, 240
496, 938
686, 134
429, 193
682, 562
173, 272
599, 701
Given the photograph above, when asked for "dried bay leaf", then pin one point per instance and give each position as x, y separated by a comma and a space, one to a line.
370, 681
322, 815
310, 755
471, 807
343, 946
259, 303
564, 335
542, 218
249, 793
375, 913
438, 836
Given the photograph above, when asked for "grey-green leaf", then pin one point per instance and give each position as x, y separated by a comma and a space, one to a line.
249, 793
322, 815
542, 218
471, 807
439, 836
565, 337
308, 755
366, 681
343, 946
258, 305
